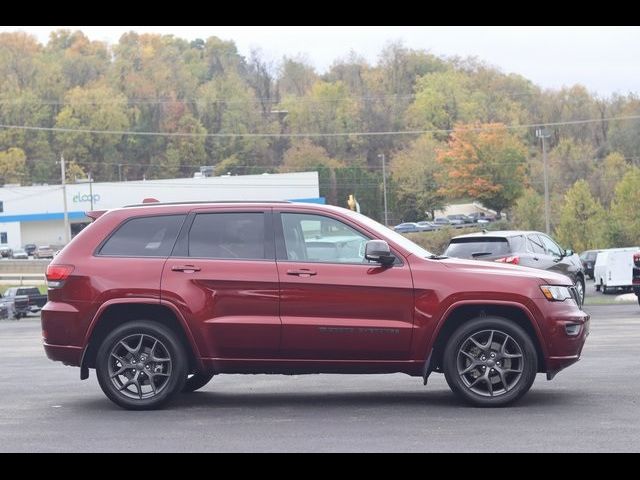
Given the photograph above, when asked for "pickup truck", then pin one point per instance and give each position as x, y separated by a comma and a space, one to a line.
17, 305
35, 300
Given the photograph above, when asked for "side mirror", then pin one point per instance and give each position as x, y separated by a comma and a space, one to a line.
378, 251
568, 252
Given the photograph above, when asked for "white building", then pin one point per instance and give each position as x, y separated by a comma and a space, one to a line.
36, 214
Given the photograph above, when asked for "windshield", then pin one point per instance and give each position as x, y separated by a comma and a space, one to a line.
395, 237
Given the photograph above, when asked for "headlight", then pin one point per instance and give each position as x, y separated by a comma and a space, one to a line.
556, 293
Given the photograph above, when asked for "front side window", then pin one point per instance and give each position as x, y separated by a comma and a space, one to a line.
536, 245
228, 236
551, 246
316, 238
144, 237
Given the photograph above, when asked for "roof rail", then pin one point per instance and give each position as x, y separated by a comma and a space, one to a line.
200, 202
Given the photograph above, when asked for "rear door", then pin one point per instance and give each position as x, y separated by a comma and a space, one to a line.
334, 304
222, 276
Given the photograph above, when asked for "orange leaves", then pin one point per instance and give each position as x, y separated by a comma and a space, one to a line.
484, 161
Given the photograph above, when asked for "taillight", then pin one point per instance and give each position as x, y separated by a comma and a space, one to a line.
57, 274
636, 259
514, 260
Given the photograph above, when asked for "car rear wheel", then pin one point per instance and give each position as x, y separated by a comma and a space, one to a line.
141, 365
490, 362
196, 381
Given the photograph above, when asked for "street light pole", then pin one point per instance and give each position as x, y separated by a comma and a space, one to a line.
384, 188
91, 189
67, 238
543, 133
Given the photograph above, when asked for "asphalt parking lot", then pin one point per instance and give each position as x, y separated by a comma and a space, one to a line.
592, 406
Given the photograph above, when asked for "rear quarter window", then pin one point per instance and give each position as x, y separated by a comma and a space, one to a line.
144, 237
477, 247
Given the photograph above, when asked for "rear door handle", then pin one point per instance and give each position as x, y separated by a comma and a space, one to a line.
303, 272
185, 268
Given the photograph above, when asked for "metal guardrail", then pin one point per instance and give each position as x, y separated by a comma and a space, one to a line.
21, 277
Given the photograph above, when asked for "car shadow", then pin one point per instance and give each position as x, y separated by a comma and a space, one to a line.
433, 400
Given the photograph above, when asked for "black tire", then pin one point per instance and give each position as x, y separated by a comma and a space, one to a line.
598, 285
502, 328
580, 280
173, 372
196, 381
605, 290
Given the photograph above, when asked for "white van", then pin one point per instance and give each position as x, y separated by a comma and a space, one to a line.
614, 268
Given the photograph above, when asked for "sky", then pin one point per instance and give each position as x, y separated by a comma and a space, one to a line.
604, 59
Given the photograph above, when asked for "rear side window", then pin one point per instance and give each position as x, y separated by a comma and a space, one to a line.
28, 291
477, 247
228, 236
144, 237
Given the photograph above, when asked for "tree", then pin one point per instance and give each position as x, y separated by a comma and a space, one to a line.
606, 175
12, 165
444, 99
484, 162
625, 226
327, 108
95, 108
184, 152
582, 223
297, 76
528, 213
304, 156
413, 172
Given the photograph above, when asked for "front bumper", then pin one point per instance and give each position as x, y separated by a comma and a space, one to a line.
565, 329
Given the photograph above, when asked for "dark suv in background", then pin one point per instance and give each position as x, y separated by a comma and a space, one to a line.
588, 259
159, 298
527, 249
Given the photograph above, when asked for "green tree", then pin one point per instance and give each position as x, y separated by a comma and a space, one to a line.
444, 99
528, 212
12, 165
625, 226
96, 108
328, 108
484, 162
582, 223
304, 156
413, 172
606, 175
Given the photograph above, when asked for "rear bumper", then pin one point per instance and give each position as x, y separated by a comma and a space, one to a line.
67, 354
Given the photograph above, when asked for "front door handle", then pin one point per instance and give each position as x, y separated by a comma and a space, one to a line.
185, 268
303, 272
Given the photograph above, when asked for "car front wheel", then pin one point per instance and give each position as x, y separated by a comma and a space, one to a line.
580, 289
141, 365
490, 362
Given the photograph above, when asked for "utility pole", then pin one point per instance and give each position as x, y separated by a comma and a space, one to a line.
119, 172
384, 188
64, 200
91, 189
544, 133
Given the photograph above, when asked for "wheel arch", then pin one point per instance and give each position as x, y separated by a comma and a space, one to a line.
463, 312
119, 311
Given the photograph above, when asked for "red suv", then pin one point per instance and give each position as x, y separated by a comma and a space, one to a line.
159, 298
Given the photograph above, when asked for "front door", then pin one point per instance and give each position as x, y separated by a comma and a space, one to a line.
223, 277
333, 303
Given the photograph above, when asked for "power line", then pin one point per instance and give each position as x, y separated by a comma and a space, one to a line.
307, 135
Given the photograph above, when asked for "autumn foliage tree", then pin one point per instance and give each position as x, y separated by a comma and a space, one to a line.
485, 162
